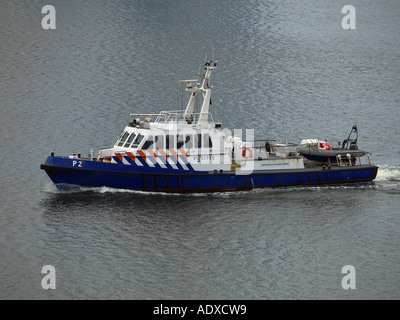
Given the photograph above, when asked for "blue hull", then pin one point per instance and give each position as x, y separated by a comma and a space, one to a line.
64, 171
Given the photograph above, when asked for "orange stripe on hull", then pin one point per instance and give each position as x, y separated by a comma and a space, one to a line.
142, 154
184, 153
119, 156
174, 154
152, 153
130, 155
163, 153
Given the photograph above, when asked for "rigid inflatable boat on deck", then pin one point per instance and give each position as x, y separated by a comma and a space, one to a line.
321, 151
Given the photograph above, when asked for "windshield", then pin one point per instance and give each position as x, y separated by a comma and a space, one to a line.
137, 141
122, 139
130, 139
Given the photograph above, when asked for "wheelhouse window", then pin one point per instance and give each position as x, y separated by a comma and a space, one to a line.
130, 139
159, 142
123, 138
137, 141
179, 141
170, 142
189, 141
149, 144
207, 143
199, 140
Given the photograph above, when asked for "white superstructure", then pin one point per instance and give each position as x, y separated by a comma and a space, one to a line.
191, 140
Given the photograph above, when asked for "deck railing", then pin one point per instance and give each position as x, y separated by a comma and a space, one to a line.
178, 116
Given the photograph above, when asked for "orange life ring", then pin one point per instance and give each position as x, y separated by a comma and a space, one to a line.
328, 147
245, 154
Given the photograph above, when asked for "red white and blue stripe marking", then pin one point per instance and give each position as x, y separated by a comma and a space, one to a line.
170, 159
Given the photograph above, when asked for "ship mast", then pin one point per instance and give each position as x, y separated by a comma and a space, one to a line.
194, 87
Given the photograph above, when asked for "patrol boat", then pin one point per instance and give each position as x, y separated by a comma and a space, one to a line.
187, 152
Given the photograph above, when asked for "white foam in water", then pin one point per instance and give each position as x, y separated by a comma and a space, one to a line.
106, 190
388, 173
50, 188
115, 190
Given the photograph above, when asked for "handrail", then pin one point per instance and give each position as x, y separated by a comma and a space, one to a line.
176, 116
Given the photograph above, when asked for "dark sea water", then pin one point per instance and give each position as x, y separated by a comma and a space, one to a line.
286, 68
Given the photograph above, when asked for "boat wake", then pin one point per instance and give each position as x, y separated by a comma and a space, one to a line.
387, 173
52, 188
388, 178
